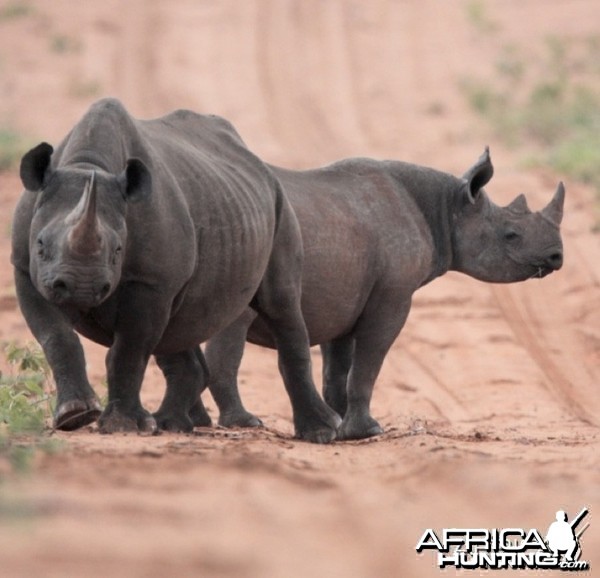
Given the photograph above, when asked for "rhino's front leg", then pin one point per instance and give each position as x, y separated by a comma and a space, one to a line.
76, 404
379, 325
139, 328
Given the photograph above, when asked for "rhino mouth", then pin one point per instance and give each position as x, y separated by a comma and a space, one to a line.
542, 271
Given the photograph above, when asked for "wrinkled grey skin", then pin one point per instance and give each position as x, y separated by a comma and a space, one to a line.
375, 232
149, 237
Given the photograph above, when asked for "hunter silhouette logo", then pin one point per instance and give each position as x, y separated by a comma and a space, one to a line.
561, 536
510, 548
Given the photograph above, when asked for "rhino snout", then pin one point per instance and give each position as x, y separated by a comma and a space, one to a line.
554, 260
63, 288
549, 263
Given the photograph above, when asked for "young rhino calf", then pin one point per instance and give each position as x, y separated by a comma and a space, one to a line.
375, 232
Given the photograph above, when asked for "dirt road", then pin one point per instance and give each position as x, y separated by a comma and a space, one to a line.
490, 397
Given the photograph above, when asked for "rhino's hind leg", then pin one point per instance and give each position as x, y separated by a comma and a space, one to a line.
76, 413
337, 360
314, 420
186, 375
278, 303
223, 355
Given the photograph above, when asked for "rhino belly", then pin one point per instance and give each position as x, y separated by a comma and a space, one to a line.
329, 311
197, 322
213, 300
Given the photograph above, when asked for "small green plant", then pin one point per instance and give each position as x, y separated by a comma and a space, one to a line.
26, 404
25, 396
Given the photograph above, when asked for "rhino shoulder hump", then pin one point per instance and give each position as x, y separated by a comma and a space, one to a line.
109, 106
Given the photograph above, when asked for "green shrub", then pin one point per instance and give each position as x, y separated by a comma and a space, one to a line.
25, 397
26, 404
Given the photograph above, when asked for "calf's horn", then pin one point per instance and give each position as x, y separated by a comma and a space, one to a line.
554, 210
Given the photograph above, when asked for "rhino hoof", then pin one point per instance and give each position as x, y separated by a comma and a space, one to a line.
321, 427
354, 429
239, 419
174, 423
318, 436
199, 416
113, 421
76, 413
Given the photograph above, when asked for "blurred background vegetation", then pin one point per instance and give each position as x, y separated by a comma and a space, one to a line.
544, 100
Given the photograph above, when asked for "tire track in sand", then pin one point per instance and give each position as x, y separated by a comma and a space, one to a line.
565, 376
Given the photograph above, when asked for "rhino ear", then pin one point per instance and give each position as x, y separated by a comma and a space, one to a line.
34, 165
136, 181
478, 175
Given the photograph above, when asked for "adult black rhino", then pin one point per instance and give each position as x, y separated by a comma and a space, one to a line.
374, 232
149, 236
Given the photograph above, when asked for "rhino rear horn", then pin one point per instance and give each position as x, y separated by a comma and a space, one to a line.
33, 166
519, 205
554, 210
479, 175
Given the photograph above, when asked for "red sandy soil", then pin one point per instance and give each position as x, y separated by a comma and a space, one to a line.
490, 397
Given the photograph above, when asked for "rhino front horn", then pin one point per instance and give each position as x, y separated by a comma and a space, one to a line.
84, 237
554, 211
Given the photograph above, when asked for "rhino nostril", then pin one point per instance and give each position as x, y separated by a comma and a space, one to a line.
60, 286
555, 260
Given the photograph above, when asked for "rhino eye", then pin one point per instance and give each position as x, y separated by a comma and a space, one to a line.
117, 254
511, 235
40, 248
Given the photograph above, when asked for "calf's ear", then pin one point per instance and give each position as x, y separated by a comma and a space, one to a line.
34, 165
136, 181
478, 175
